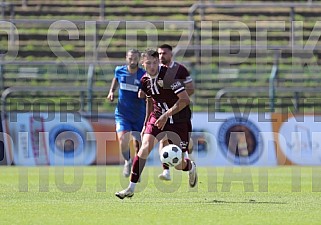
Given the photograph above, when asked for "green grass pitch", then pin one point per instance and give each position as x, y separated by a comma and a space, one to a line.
224, 195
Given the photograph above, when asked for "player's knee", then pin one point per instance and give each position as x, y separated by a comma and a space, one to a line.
145, 149
143, 153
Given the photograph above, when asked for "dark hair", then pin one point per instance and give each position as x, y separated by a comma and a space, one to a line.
150, 52
166, 46
133, 51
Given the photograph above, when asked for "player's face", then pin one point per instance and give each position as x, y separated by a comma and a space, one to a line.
150, 64
132, 60
165, 56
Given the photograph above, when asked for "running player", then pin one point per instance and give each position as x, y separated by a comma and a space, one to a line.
168, 115
175, 69
130, 110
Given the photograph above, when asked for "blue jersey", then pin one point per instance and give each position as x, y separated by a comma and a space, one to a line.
129, 106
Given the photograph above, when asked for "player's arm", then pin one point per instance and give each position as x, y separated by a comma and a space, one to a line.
181, 103
190, 88
113, 87
149, 109
188, 81
141, 94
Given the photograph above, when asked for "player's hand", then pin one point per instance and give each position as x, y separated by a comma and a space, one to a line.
141, 94
110, 96
160, 123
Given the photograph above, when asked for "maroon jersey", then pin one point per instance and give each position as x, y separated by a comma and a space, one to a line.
177, 69
163, 89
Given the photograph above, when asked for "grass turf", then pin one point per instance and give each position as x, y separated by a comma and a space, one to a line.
231, 195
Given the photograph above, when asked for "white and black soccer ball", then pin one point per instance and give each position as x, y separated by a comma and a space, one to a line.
171, 155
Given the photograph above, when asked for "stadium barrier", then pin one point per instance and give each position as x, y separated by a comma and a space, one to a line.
220, 139
48, 139
297, 138
234, 139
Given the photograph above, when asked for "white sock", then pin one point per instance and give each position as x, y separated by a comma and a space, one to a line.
132, 186
166, 172
193, 167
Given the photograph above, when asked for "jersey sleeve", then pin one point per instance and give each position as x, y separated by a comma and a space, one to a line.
188, 79
177, 87
184, 74
116, 73
143, 84
141, 73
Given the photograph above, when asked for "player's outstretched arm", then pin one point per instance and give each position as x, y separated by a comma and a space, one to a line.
113, 87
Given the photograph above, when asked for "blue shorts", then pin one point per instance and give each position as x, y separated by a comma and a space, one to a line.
126, 125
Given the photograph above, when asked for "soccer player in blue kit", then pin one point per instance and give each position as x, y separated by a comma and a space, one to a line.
130, 110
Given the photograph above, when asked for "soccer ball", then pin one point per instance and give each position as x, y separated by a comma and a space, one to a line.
171, 155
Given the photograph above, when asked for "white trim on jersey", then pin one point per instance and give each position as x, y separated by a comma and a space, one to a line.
178, 90
188, 79
153, 86
128, 87
152, 80
171, 121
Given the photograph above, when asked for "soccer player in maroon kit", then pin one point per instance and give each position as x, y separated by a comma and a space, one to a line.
175, 69
167, 115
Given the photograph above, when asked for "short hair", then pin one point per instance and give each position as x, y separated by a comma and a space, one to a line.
166, 46
133, 51
150, 52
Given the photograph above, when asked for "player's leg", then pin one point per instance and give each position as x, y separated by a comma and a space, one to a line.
136, 142
148, 142
190, 166
139, 162
124, 138
122, 128
186, 165
190, 143
165, 175
137, 127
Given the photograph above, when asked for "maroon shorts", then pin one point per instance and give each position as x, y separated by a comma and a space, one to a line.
177, 133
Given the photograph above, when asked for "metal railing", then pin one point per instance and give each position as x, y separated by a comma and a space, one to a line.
5, 5
294, 90
67, 89
24, 3
202, 7
261, 5
273, 77
196, 47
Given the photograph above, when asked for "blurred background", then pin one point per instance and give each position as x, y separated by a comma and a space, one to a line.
244, 56
228, 46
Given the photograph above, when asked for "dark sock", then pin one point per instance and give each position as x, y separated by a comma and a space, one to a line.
188, 166
165, 167
126, 155
137, 169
